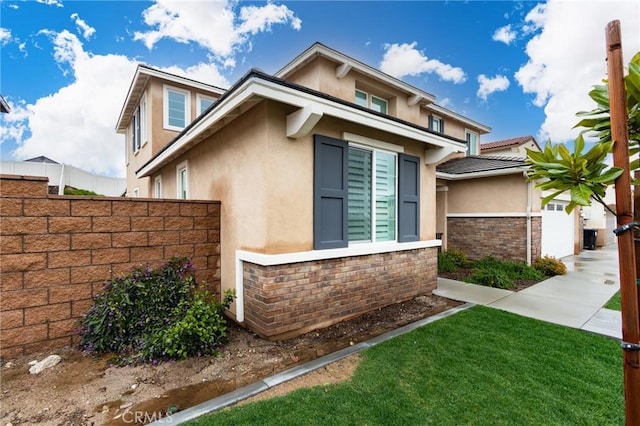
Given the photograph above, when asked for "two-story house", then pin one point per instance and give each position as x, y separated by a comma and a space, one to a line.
326, 176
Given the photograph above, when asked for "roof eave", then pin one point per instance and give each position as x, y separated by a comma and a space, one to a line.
482, 174
256, 87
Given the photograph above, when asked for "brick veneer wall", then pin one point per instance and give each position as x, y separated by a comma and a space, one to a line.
286, 300
57, 251
501, 237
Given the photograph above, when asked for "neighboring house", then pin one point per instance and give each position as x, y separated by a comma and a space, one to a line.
61, 175
4, 106
486, 206
326, 176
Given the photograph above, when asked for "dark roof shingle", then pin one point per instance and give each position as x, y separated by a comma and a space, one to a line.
508, 142
479, 163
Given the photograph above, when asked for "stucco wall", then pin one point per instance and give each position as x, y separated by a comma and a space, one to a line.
498, 194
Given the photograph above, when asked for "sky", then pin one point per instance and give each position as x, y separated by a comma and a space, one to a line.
519, 67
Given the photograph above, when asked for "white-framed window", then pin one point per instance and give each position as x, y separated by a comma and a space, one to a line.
472, 142
203, 102
372, 196
139, 125
176, 108
372, 102
157, 187
435, 124
182, 180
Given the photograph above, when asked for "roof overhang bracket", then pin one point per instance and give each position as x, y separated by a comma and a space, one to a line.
343, 70
414, 100
439, 154
301, 122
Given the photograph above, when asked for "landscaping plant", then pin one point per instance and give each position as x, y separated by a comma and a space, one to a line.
451, 260
155, 314
550, 266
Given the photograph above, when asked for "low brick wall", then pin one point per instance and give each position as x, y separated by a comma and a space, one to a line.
501, 237
57, 252
286, 300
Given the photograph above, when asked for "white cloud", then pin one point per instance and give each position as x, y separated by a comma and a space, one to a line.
85, 29
5, 36
567, 57
212, 25
504, 34
489, 85
404, 59
535, 18
76, 124
57, 3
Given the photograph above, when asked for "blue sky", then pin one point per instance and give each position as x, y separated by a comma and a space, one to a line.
522, 68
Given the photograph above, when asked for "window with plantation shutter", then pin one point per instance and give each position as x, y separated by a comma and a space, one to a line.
358, 194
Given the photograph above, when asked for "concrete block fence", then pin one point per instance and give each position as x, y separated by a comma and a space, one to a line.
56, 252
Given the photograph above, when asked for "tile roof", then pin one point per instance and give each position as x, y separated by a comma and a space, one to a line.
508, 142
480, 163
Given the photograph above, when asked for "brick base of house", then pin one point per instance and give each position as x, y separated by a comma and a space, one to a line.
282, 301
501, 237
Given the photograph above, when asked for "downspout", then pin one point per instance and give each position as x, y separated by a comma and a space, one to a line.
529, 203
61, 183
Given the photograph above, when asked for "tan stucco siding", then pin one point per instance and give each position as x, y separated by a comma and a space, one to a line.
499, 194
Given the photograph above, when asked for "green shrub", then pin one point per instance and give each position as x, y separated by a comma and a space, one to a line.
75, 191
514, 270
550, 266
134, 311
451, 260
491, 278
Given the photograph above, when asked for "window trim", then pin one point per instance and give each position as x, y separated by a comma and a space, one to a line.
432, 119
165, 107
179, 168
144, 134
199, 98
476, 146
157, 186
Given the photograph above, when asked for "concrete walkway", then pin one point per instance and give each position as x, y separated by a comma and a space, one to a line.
574, 300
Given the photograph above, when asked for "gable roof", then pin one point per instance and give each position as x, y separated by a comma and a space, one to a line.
139, 83
480, 166
42, 159
505, 143
4, 106
257, 85
347, 63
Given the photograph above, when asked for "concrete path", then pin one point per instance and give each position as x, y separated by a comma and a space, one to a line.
574, 300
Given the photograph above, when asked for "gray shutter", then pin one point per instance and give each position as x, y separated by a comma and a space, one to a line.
408, 198
330, 193
431, 122
442, 126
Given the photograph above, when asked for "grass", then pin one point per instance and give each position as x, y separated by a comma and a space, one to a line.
614, 303
480, 366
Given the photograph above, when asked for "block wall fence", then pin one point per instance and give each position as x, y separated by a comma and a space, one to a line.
56, 252
501, 237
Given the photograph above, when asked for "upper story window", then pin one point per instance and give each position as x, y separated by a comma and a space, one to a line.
139, 125
182, 180
177, 107
436, 124
370, 101
472, 142
203, 103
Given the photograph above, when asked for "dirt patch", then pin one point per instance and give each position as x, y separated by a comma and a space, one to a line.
84, 390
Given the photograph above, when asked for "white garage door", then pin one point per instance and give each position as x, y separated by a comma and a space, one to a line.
557, 230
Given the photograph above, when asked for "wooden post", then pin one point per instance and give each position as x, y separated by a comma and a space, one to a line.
626, 249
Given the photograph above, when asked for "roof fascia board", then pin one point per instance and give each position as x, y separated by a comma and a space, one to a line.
351, 63
256, 86
476, 175
446, 112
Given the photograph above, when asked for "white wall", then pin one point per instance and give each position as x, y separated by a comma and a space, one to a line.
71, 176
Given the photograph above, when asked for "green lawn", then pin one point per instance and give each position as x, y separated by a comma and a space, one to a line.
614, 303
478, 367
